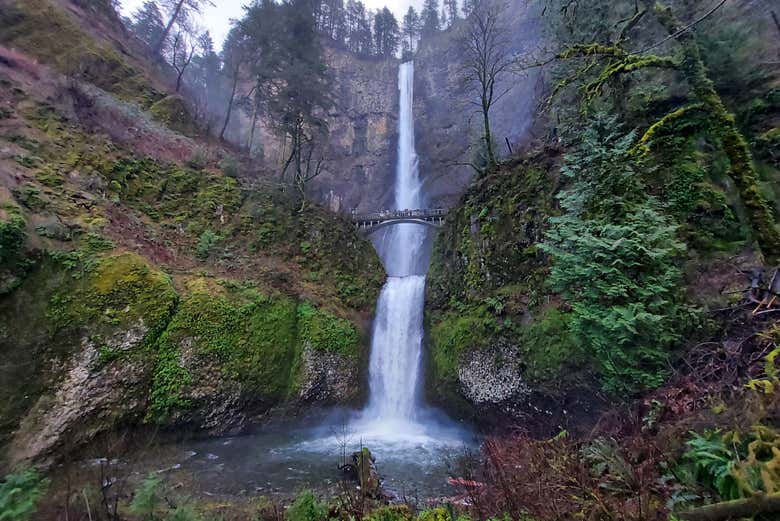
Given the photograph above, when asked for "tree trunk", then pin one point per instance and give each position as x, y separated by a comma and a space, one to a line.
743, 171
491, 158
166, 32
737, 509
251, 143
230, 104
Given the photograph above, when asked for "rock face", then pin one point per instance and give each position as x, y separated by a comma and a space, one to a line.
327, 377
491, 376
360, 169
90, 396
500, 347
363, 126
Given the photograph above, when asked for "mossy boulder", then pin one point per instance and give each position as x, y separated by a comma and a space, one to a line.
83, 343
499, 344
232, 343
173, 112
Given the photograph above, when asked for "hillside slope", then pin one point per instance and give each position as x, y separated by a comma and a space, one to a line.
148, 277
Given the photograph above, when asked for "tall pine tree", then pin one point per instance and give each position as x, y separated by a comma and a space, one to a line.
429, 17
147, 23
411, 29
386, 33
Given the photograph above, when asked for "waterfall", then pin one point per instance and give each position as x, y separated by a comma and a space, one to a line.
396, 346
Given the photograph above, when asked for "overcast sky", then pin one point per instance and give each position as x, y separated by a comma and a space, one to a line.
217, 19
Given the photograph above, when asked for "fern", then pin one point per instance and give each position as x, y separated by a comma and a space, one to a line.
615, 260
19, 494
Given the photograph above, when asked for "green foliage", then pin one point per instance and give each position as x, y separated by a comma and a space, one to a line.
208, 239
230, 166
169, 381
19, 495
325, 331
12, 234
444, 514
391, 513
713, 461
184, 512
770, 381
147, 498
615, 260
307, 507
735, 465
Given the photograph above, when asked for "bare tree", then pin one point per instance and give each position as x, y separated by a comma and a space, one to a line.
486, 59
307, 170
179, 10
181, 56
234, 56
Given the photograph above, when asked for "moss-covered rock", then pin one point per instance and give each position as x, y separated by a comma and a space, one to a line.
88, 322
230, 342
173, 112
498, 342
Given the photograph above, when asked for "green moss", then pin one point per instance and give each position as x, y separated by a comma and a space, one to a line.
254, 339
173, 112
12, 232
453, 333
250, 336
489, 240
551, 357
116, 291
327, 332
43, 29
13, 264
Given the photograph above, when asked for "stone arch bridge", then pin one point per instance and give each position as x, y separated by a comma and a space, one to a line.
370, 222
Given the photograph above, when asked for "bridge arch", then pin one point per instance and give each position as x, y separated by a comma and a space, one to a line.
369, 223
368, 229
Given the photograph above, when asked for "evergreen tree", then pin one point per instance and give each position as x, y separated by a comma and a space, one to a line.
386, 33
469, 6
615, 259
302, 92
429, 18
147, 23
451, 6
411, 29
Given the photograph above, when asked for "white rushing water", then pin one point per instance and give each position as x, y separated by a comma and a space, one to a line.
395, 412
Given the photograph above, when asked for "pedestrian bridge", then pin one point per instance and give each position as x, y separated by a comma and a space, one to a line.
370, 222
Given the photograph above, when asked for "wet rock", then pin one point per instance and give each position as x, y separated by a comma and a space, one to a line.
492, 376
91, 397
327, 377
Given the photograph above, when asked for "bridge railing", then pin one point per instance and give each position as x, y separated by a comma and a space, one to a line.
386, 215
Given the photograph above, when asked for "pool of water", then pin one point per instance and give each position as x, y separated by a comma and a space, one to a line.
413, 459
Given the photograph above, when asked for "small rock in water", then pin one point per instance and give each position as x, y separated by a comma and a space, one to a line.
211, 456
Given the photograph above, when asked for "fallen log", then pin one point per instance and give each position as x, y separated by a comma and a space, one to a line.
735, 509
